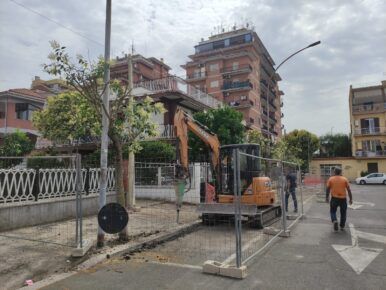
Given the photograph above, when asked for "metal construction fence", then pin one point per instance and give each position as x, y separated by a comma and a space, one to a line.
27, 186
285, 189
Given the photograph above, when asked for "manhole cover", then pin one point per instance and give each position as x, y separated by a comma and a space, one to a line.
113, 218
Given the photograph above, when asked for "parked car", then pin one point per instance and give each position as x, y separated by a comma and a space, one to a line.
373, 178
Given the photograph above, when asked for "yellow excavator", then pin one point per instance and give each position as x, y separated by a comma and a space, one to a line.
258, 202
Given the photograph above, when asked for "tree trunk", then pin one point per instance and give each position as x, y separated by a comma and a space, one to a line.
131, 181
123, 235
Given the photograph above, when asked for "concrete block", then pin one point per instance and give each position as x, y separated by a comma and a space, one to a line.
81, 251
292, 217
217, 268
271, 231
234, 272
285, 234
211, 267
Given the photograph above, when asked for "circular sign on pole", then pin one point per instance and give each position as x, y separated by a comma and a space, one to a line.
113, 218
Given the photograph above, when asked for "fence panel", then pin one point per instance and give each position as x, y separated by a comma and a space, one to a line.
38, 191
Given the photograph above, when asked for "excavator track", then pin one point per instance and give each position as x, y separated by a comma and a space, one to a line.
258, 217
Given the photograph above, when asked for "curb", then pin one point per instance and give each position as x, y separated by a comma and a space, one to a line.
116, 251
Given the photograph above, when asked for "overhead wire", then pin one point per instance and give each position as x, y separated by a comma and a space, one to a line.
56, 22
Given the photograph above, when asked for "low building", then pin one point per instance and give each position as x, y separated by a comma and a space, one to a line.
16, 109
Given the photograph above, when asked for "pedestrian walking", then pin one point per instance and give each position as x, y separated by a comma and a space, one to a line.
339, 187
291, 190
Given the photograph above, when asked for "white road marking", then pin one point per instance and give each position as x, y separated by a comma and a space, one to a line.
359, 204
246, 246
358, 258
177, 265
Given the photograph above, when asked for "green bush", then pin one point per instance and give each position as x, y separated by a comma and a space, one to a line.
156, 151
16, 144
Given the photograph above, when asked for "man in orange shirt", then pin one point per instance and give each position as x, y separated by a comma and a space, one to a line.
337, 185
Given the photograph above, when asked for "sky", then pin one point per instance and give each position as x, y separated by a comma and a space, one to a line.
315, 82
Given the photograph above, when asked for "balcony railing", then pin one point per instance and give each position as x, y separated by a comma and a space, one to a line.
370, 131
176, 85
370, 108
197, 75
236, 86
238, 69
365, 153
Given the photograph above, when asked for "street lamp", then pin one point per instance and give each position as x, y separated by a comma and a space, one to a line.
274, 72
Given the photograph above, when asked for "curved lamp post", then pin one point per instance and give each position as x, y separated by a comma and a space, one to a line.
274, 72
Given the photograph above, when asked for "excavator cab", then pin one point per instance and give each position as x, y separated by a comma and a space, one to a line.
249, 166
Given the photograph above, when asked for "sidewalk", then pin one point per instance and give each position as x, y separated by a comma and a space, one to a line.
306, 260
22, 257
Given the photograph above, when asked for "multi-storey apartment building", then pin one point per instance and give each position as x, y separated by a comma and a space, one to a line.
368, 120
236, 68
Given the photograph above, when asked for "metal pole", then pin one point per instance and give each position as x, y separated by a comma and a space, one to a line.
131, 161
283, 205
300, 189
236, 188
105, 121
79, 197
77, 206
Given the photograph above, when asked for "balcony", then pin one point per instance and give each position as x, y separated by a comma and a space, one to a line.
237, 86
197, 76
370, 108
370, 131
365, 153
237, 70
172, 86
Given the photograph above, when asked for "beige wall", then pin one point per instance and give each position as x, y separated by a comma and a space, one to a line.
351, 167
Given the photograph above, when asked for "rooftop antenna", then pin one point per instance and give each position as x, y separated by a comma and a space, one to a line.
132, 47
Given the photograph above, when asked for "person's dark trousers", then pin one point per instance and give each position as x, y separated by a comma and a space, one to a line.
291, 191
342, 204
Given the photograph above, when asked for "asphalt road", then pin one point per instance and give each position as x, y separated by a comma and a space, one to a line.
314, 257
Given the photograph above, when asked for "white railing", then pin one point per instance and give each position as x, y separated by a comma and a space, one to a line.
175, 84
30, 185
16, 185
94, 176
61, 182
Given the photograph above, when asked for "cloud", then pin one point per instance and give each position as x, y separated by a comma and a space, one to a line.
315, 82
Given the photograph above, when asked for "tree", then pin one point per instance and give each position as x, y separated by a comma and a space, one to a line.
67, 116
156, 150
282, 150
129, 119
225, 122
257, 137
335, 145
16, 144
303, 144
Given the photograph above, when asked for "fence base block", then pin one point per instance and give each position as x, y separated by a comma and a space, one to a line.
271, 231
285, 234
292, 217
217, 268
81, 251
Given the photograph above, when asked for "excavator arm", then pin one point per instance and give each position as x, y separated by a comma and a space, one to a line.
184, 123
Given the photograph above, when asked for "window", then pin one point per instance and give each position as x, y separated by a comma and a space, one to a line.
251, 120
243, 98
24, 111
237, 40
218, 44
2, 110
214, 84
213, 67
235, 65
328, 169
248, 37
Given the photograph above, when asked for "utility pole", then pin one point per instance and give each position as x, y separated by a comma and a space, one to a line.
105, 121
130, 199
